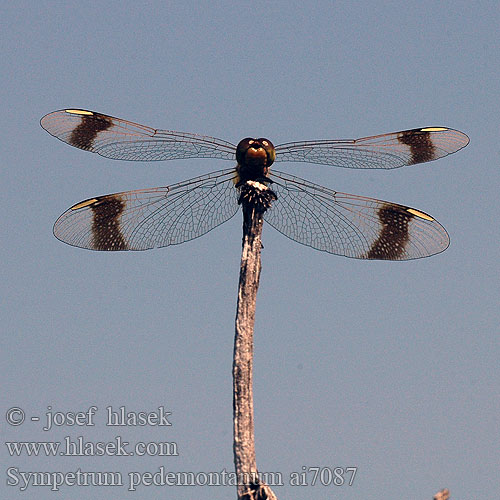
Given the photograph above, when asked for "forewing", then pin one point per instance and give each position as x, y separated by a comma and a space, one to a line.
150, 218
123, 140
350, 225
381, 151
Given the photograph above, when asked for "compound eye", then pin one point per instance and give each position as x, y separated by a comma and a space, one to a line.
268, 146
242, 148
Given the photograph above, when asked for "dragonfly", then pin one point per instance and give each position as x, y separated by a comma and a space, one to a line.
310, 214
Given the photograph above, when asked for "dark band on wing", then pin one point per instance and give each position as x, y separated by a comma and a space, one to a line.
84, 134
393, 236
106, 230
420, 143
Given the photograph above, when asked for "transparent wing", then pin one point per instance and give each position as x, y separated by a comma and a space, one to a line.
350, 225
123, 140
381, 151
150, 218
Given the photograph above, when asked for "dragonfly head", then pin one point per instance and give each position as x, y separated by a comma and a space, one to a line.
255, 153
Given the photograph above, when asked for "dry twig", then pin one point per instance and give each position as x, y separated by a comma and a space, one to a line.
250, 487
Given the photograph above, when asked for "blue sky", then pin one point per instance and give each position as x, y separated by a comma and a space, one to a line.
390, 367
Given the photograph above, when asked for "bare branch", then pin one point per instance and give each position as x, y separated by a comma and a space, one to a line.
442, 495
250, 487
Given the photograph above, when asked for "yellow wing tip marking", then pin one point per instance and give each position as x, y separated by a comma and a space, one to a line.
78, 112
418, 213
84, 204
434, 129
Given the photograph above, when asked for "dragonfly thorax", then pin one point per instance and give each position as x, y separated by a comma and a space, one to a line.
254, 157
